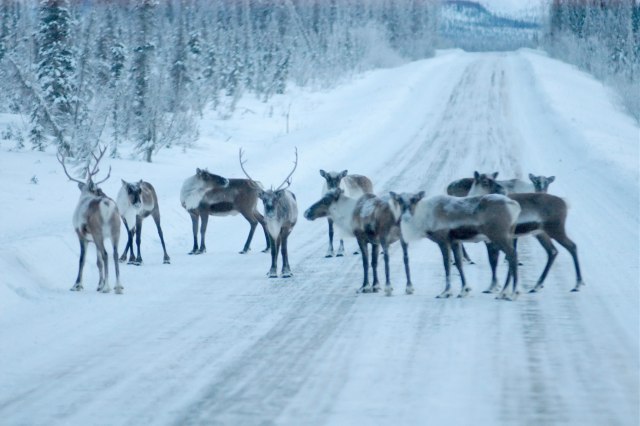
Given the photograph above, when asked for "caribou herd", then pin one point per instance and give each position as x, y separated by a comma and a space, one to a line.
478, 208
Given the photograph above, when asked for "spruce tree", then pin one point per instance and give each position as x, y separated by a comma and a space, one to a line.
55, 71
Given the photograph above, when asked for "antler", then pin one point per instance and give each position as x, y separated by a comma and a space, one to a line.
242, 166
60, 158
95, 168
287, 180
89, 173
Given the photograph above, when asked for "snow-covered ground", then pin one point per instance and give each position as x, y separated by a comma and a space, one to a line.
211, 340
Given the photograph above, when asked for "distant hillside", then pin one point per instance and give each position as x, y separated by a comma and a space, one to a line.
470, 26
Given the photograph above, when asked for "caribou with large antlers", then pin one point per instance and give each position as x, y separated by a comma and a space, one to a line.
280, 216
95, 218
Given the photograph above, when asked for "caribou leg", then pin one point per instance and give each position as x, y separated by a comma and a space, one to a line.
129, 245
138, 260
407, 271
512, 257
103, 265
446, 293
83, 255
457, 257
552, 252
204, 220
364, 251
286, 270
375, 250
340, 251
330, 248
493, 252
561, 237
194, 226
155, 214
385, 255
466, 255
274, 245
118, 288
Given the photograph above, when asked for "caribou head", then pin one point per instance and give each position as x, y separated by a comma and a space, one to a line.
541, 183
271, 198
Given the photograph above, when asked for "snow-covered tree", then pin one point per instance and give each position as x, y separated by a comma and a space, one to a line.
56, 73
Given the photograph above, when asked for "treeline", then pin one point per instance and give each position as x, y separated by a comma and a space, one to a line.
602, 37
139, 73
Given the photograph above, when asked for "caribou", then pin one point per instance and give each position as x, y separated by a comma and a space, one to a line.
544, 216
94, 219
448, 221
136, 201
371, 221
490, 184
207, 194
280, 216
462, 188
354, 186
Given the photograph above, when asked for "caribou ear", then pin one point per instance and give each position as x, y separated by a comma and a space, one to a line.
551, 178
476, 175
82, 186
323, 173
140, 183
532, 177
123, 183
344, 173
419, 196
393, 195
495, 175
198, 172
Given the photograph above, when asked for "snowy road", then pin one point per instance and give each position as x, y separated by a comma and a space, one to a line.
210, 340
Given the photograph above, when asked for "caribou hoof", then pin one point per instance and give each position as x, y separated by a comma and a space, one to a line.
266, 250
409, 289
512, 297
287, 275
272, 274
444, 295
464, 293
328, 255
388, 290
577, 287
167, 261
492, 289
364, 289
340, 255
376, 288
245, 251
118, 290
122, 259
77, 287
